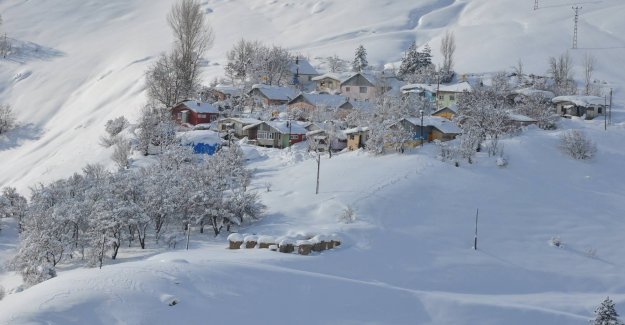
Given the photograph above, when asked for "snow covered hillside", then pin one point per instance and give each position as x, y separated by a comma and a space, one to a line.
407, 259
86, 59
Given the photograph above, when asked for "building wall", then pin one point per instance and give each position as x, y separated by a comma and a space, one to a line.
327, 84
446, 99
354, 92
193, 117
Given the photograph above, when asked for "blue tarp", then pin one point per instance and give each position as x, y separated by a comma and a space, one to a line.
203, 148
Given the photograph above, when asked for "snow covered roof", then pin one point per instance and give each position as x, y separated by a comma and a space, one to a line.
362, 105
368, 76
276, 92
199, 107
442, 124
583, 101
305, 68
229, 90
199, 136
534, 92
356, 130
283, 127
242, 120
520, 118
433, 88
321, 99
453, 109
331, 75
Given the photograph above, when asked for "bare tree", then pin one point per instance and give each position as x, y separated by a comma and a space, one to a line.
194, 37
561, 70
577, 145
448, 48
589, 67
336, 64
164, 83
122, 153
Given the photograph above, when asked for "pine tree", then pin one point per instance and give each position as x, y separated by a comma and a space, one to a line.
360, 59
424, 57
606, 314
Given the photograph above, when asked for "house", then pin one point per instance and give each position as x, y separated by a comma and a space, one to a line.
235, 125
441, 95
303, 73
193, 112
272, 95
519, 120
276, 134
313, 102
521, 95
434, 128
321, 141
589, 106
360, 86
329, 82
446, 112
356, 137
223, 92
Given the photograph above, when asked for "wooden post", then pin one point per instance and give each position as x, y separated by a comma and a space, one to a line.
605, 113
475, 239
318, 169
610, 117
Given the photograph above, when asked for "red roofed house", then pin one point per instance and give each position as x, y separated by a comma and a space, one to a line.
194, 112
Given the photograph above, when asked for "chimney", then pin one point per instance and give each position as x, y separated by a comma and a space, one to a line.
198, 104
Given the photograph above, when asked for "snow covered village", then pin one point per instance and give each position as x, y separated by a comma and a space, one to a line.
312, 162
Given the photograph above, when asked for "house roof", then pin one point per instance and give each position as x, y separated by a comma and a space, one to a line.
305, 68
242, 120
444, 109
229, 90
199, 107
321, 99
433, 88
280, 126
583, 101
362, 105
520, 118
534, 92
442, 124
356, 130
340, 77
367, 76
199, 136
276, 92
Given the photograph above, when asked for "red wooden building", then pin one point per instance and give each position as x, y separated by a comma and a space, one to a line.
194, 112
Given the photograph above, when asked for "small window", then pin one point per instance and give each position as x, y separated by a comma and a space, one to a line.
346, 89
294, 136
201, 115
441, 97
180, 116
600, 110
363, 90
452, 97
309, 78
351, 137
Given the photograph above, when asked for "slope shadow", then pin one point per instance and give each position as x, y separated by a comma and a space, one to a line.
19, 135
23, 52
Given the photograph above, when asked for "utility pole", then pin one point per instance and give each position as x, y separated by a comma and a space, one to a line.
576, 9
318, 169
188, 234
475, 238
605, 113
610, 117
535, 4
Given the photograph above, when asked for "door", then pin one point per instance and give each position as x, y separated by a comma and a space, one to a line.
185, 117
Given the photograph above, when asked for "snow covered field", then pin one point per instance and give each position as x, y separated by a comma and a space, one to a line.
407, 259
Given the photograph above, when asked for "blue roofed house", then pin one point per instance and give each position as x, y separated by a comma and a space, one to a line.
302, 73
434, 128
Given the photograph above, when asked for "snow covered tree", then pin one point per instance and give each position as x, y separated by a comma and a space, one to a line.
241, 60
416, 65
410, 61
577, 145
589, 68
539, 108
121, 153
606, 314
336, 64
193, 37
12, 205
7, 118
163, 82
360, 62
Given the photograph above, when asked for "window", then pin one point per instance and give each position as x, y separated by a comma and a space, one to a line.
201, 115
351, 137
363, 90
294, 136
441, 97
347, 89
180, 116
309, 78
600, 110
452, 97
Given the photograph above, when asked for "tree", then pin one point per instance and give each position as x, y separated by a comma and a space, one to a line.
606, 314
448, 48
360, 59
121, 153
164, 82
194, 37
336, 64
589, 67
250, 62
7, 119
577, 145
538, 107
561, 71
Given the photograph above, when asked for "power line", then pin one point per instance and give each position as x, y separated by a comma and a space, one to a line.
576, 9
535, 4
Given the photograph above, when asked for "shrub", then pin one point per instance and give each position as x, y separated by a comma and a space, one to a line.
577, 145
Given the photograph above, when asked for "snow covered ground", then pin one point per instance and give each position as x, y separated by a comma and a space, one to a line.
407, 259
